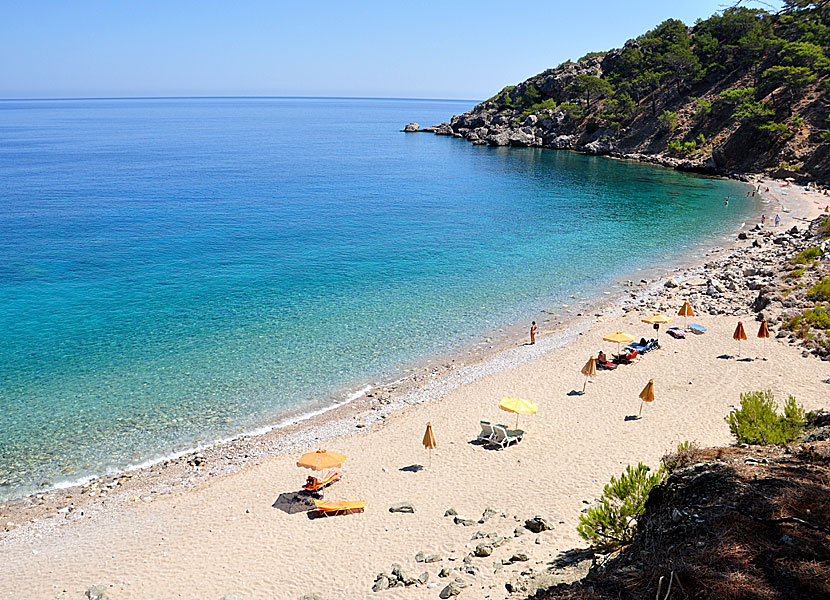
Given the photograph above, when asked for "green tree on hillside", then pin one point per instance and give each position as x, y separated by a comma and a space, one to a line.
590, 88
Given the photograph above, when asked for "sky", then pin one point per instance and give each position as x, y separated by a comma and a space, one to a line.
450, 49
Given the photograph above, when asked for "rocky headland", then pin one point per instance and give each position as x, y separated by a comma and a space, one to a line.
742, 92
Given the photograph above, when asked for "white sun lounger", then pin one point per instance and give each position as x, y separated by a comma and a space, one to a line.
505, 437
487, 434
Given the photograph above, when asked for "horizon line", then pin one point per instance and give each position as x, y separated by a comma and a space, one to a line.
227, 97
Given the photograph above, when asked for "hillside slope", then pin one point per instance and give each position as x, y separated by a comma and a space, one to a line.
743, 91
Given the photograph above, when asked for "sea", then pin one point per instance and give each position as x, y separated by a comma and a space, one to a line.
175, 271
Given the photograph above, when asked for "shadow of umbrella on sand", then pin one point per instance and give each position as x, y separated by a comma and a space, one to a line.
292, 503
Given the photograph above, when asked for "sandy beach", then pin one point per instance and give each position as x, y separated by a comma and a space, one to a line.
203, 527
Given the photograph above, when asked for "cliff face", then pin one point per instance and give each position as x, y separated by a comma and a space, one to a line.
756, 99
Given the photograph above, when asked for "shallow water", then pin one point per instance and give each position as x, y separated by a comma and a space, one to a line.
175, 271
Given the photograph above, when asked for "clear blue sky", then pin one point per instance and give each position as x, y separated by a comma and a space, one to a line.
451, 49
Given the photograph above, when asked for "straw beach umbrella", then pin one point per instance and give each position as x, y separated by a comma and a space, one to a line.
589, 370
739, 335
657, 319
518, 406
685, 312
647, 395
620, 338
763, 333
429, 441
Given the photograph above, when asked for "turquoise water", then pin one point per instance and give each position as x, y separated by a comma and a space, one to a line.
176, 271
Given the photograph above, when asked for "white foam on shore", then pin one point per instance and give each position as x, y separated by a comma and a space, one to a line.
304, 416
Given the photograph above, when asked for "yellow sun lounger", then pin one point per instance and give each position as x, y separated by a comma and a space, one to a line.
334, 508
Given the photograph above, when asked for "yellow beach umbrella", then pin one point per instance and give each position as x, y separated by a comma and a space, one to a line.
620, 338
739, 335
763, 332
657, 319
647, 395
589, 370
685, 312
321, 459
518, 406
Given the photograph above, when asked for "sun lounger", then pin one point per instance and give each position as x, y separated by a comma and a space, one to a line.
324, 481
334, 508
626, 359
698, 329
608, 366
487, 434
505, 437
676, 333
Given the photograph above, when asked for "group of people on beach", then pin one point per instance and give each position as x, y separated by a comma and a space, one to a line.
777, 220
817, 188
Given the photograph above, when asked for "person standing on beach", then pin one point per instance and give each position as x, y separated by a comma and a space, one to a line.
533, 332
763, 219
777, 220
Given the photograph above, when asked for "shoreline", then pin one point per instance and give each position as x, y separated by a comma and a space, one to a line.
410, 375
109, 512
373, 403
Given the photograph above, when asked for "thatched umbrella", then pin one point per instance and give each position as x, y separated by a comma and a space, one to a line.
739, 335
647, 395
685, 312
429, 441
589, 370
763, 333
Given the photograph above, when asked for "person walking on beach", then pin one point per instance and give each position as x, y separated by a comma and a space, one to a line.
533, 332
763, 219
777, 220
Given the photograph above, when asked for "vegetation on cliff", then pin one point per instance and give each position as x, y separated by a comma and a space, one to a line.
742, 79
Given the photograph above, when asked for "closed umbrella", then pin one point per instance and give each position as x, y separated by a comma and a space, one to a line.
620, 338
429, 441
685, 312
739, 335
589, 370
763, 332
518, 406
647, 395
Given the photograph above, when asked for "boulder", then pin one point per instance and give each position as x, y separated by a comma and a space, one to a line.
488, 513
423, 578
303, 597
453, 589
444, 572
450, 512
519, 557
411, 127
97, 592
484, 549
402, 507
381, 583
459, 520
432, 558
443, 129
538, 524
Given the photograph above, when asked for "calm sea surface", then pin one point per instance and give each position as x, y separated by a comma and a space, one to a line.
177, 271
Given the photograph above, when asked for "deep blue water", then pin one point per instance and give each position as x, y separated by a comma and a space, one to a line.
175, 271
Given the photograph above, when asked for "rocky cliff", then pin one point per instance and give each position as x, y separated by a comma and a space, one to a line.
745, 91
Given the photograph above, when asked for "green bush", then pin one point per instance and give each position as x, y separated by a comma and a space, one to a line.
824, 227
702, 109
686, 454
757, 422
668, 120
807, 255
818, 317
613, 522
774, 130
592, 55
572, 110
794, 274
820, 291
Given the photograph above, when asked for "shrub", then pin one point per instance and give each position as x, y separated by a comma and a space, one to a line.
686, 454
702, 109
613, 522
592, 55
572, 110
794, 274
818, 317
807, 255
820, 291
668, 120
824, 227
757, 422
774, 130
